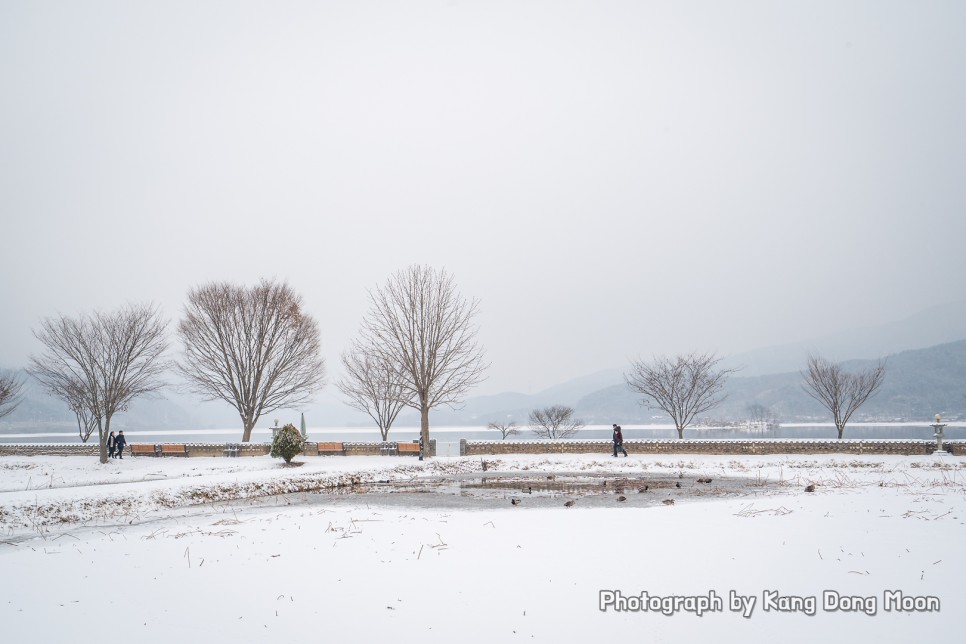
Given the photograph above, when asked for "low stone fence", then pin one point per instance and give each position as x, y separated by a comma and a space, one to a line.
710, 446
194, 449
373, 449
48, 449
956, 448
480, 448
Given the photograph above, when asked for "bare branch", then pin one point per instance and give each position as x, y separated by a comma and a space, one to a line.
419, 325
683, 386
505, 428
11, 393
99, 363
372, 385
840, 392
254, 348
556, 421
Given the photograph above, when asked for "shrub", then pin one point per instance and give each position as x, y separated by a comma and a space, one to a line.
287, 443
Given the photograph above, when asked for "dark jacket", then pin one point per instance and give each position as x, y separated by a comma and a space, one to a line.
120, 442
618, 436
111, 442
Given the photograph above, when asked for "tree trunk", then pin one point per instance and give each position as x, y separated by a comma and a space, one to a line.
424, 428
249, 425
680, 433
841, 429
102, 438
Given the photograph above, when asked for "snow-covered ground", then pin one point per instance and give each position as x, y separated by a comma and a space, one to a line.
245, 550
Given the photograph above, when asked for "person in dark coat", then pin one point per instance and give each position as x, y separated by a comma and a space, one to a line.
618, 441
111, 445
120, 442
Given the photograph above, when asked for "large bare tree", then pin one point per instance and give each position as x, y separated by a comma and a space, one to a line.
421, 326
683, 386
11, 393
556, 421
99, 363
255, 348
839, 391
372, 385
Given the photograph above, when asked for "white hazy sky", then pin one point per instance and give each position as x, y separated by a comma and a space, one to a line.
609, 179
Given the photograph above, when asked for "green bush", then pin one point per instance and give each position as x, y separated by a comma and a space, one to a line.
288, 442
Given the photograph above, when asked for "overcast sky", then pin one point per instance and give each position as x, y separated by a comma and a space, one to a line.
609, 179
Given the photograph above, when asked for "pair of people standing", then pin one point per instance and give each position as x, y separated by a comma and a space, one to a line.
115, 445
618, 441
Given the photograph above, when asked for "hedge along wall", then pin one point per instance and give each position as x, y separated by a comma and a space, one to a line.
710, 446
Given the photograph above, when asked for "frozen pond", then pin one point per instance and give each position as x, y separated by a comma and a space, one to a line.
537, 489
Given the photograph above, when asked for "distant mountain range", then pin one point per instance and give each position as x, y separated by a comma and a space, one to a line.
926, 374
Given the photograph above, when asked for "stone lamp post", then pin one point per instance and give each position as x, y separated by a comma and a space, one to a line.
939, 426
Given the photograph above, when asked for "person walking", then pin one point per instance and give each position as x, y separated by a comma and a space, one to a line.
120, 442
618, 441
111, 445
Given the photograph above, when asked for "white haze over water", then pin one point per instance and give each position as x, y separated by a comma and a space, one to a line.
609, 179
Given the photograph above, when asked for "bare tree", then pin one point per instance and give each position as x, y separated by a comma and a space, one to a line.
419, 324
556, 421
762, 417
840, 392
99, 363
11, 393
372, 385
253, 347
76, 398
505, 428
683, 386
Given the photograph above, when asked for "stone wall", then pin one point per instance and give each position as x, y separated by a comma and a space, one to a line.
956, 448
49, 449
479, 448
375, 449
194, 449
710, 446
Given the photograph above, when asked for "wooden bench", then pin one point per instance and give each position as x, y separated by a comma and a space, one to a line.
331, 449
179, 449
408, 448
143, 449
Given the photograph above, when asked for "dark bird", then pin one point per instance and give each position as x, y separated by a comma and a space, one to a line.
678, 484
643, 489
514, 501
668, 501
621, 498
569, 503
810, 488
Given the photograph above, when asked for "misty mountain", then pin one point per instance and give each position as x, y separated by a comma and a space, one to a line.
918, 384
933, 326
